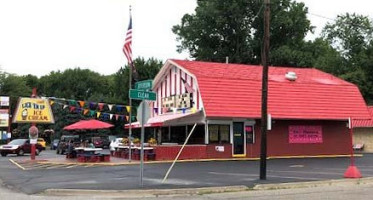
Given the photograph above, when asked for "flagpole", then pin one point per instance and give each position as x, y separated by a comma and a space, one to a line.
130, 112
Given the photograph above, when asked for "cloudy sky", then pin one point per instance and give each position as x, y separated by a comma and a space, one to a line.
39, 36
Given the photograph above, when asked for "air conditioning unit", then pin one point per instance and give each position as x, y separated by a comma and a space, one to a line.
291, 76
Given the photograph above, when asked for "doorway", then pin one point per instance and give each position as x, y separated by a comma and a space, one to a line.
239, 142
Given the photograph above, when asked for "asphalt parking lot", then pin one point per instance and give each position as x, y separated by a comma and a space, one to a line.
38, 178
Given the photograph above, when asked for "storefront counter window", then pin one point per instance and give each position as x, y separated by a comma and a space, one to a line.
218, 133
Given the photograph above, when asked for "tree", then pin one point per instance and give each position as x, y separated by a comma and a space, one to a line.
147, 69
221, 28
352, 36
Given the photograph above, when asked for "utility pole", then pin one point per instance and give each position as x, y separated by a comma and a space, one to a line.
265, 55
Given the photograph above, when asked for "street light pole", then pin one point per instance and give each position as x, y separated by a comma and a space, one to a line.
265, 55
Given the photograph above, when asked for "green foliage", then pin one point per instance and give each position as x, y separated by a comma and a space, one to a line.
76, 84
234, 28
352, 36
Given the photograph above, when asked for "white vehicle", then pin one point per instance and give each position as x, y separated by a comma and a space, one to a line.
115, 143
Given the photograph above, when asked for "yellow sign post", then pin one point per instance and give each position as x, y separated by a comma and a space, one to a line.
32, 110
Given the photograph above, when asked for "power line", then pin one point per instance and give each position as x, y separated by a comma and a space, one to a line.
317, 15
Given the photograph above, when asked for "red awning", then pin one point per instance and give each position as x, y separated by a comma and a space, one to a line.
88, 125
166, 119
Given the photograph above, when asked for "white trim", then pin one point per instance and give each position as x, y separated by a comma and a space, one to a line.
222, 122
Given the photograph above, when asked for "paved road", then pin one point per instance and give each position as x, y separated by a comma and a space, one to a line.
184, 175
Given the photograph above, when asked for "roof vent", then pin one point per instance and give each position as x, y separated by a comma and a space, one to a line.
291, 76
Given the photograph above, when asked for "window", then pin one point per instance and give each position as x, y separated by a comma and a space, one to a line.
178, 134
219, 133
198, 135
249, 134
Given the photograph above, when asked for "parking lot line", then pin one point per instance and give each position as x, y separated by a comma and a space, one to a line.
18, 165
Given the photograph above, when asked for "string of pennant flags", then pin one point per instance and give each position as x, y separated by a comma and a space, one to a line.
93, 109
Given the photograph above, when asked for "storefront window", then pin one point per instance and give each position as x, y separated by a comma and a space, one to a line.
178, 134
219, 133
198, 135
249, 134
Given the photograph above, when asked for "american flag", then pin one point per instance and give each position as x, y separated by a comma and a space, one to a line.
127, 49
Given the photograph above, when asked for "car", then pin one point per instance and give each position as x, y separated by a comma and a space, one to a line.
115, 143
62, 145
19, 147
42, 142
54, 144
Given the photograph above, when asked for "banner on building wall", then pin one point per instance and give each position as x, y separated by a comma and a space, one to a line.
4, 117
305, 134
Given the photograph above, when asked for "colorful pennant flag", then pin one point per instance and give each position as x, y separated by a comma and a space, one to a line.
92, 105
100, 106
72, 108
111, 116
128, 108
127, 118
110, 106
98, 114
81, 103
85, 111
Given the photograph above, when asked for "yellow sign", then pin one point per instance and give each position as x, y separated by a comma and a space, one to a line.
32, 110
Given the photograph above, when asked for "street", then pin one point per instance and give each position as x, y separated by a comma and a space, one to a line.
38, 178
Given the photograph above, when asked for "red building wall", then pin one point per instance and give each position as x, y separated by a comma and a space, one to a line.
336, 141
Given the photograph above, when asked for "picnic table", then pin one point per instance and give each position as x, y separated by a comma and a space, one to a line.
85, 154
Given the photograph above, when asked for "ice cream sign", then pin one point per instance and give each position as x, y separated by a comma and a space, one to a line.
32, 110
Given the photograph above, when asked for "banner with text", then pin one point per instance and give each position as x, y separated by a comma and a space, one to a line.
305, 134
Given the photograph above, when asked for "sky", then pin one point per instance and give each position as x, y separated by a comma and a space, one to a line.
40, 36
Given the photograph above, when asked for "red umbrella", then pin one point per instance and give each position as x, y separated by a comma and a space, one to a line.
88, 125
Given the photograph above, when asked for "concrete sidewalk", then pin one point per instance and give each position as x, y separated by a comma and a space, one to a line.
202, 191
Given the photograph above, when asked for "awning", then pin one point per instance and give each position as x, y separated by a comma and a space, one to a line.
171, 119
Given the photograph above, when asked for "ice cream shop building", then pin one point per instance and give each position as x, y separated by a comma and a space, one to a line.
309, 110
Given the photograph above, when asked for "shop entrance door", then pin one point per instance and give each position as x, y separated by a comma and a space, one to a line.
239, 142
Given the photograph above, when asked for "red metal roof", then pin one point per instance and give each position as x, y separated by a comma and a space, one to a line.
360, 123
234, 90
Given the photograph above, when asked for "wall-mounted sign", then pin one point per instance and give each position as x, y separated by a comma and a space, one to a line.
219, 148
4, 117
31, 110
305, 134
4, 101
178, 101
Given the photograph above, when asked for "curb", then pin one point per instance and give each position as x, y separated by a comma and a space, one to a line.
333, 182
144, 193
201, 191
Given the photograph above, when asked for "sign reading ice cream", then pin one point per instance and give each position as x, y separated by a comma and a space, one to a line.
31, 110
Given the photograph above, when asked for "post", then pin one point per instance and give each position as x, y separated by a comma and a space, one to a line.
130, 118
33, 95
142, 141
9, 122
33, 146
177, 156
265, 54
